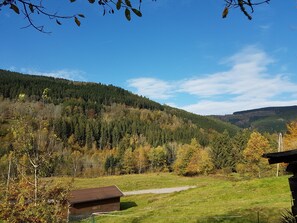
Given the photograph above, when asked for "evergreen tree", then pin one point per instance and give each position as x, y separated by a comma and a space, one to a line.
221, 151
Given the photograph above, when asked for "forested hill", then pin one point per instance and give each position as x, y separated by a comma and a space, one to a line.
89, 129
269, 119
61, 90
94, 97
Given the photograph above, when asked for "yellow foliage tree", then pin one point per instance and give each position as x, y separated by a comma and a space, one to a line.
290, 138
193, 160
141, 155
200, 163
252, 154
129, 161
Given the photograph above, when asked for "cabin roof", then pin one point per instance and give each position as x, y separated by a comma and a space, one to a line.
282, 157
94, 194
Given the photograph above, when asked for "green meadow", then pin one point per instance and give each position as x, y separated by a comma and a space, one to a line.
215, 199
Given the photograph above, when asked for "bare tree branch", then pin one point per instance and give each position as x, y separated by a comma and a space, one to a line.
243, 3
30, 8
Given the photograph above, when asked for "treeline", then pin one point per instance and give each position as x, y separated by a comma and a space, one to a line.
89, 99
113, 131
121, 140
13, 84
270, 119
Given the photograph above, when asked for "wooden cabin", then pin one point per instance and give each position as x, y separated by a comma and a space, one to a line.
85, 202
289, 157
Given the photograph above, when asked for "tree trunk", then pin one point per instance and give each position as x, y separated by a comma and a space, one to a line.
35, 185
8, 175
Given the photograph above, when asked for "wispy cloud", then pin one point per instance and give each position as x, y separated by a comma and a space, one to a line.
265, 27
68, 74
228, 107
151, 87
246, 79
247, 83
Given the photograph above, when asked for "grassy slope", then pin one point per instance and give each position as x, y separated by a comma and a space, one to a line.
214, 199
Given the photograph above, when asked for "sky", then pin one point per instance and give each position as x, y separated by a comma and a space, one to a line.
179, 53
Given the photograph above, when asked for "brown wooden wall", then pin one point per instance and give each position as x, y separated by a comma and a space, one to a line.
87, 208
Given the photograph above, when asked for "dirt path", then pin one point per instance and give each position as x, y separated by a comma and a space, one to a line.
158, 191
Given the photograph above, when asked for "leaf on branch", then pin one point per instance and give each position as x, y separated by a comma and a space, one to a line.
15, 8
91, 1
137, 12
31, 7
128, 14
81, 15
225, 12
119, 4
128, 3
58, 22
77, 21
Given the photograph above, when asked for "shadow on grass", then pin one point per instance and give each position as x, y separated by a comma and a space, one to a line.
128, 204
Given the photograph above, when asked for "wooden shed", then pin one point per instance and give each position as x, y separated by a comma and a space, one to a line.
85, 202
289, 157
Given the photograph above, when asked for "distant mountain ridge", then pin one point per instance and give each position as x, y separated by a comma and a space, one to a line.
268, 119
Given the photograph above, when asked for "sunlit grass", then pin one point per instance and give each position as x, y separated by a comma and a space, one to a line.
140, 181
216, 199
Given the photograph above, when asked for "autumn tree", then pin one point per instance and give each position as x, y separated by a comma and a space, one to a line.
25, 149
157, 159
200, 163
75, 158
290, 138
141, 156
254, 164
183, 157
33, 145
193, 160
129, 161
16, 205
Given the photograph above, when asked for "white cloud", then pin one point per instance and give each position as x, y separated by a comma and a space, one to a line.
12, 68
247, 83
228, 107
63, 73
151, 87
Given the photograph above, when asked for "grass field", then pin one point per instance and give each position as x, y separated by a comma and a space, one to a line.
216, 199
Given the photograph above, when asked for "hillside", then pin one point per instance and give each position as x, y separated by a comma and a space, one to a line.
270, 119
94, 96
89, 129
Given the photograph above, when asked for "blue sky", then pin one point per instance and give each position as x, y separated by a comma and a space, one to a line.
180, 53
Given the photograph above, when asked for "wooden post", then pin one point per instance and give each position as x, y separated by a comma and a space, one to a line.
279, 149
